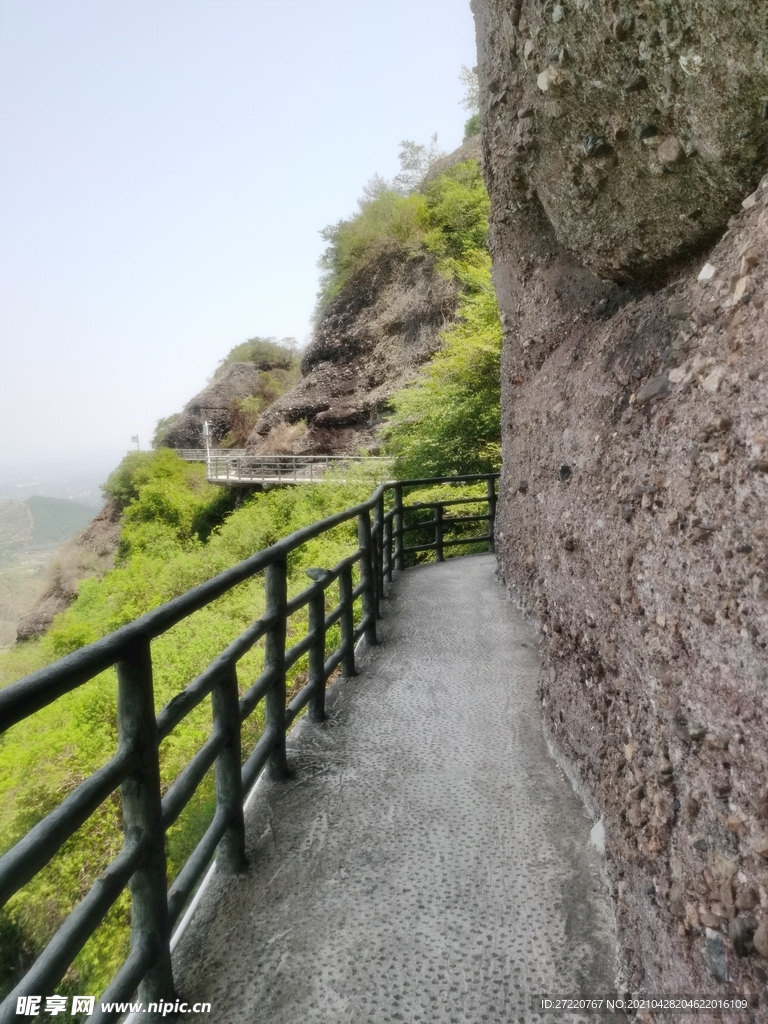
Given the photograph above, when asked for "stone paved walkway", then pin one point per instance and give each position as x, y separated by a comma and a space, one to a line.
427, 861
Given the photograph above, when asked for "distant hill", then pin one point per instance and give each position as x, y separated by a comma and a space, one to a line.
58, 519
30, 533
40, 523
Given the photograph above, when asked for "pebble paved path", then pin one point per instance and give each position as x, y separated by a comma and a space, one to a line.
427, 861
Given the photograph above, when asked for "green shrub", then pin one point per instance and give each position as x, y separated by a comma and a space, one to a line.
389, 219
457, 213
123, 483
448, 422
268, 351
472, 127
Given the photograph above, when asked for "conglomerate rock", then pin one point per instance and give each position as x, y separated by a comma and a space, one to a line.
214, 404
620, 141
621, 133
383, 325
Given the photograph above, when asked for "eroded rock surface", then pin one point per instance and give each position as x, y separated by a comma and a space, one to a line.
632, 519
622, 131
383, 325
214, 404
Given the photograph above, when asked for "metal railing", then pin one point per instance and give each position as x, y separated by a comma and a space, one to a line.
240, 469
382, 523
200, 454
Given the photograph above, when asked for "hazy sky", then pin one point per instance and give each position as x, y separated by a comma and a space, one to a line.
165, 168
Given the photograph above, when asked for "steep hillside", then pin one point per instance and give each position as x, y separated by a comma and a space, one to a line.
251, 377
375, 334
617, 144
396, 272
40, 522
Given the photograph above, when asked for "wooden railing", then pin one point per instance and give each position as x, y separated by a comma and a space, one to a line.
382, 523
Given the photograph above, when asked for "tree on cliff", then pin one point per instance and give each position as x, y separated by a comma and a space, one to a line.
415, 161
471, 100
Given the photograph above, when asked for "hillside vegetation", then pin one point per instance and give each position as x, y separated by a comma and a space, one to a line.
448, 420
252, 376
177, 531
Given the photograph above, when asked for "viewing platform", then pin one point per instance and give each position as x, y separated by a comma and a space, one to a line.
236, 469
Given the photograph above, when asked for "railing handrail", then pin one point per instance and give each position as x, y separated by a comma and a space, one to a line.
135, 767
242, 470
239, 453
200, 454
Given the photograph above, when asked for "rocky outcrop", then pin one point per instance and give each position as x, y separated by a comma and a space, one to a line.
383, 325
214, 404
620, 133
620, 141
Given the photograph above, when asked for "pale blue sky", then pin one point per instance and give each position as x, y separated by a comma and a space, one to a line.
165, 168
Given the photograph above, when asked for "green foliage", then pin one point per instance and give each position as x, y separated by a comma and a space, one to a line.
386, 220
457, 214
449, 421
123, 483
389, 214
454, 528
268, 352
159, 470
449, 219
176, 533
472, 127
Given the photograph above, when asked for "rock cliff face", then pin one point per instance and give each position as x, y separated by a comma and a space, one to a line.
624, 149
214, 404
384, 324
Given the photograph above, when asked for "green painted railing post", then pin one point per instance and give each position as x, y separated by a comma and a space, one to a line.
398, 524
388, 550
491, 487
439, 533
230, 855
378, 551
367, 576
316, 675
274, 659
347, 621
143, 819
